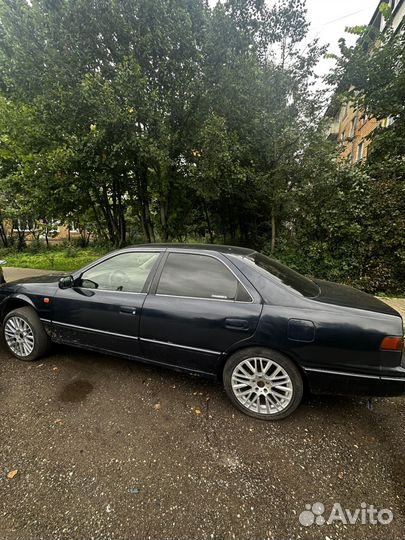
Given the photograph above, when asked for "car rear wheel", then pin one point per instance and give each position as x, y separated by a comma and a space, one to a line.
263, 383
24, 334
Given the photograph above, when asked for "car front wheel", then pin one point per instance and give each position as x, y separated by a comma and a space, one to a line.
24, 334
263, 383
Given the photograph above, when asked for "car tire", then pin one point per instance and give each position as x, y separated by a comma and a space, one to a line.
263, 383
24, 334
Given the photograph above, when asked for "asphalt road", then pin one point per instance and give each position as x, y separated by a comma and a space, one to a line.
106, 448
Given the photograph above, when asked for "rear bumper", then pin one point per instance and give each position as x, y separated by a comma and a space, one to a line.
389, 383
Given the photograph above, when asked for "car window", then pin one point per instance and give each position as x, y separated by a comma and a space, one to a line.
283, 274
126, 272
200, 276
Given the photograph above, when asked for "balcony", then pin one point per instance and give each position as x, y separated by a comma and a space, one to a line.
333, 130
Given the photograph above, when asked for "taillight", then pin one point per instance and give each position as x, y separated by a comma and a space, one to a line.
392, 343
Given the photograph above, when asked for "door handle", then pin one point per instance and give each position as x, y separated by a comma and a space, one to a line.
130, 310
237, 324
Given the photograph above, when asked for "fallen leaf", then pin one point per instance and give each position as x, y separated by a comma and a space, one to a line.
12, 474
197, 412
157, 407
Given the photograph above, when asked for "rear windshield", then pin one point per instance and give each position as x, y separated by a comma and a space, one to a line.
285, 275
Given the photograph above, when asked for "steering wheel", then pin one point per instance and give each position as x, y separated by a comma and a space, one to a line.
117, 279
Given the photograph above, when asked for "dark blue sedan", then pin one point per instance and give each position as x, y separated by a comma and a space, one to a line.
224, 312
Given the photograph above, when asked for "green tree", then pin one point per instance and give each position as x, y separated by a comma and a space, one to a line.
371, 75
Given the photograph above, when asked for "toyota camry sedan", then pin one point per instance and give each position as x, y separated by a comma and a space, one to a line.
232, 314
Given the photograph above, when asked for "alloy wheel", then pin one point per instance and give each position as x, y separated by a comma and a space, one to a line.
262, 386
19, 336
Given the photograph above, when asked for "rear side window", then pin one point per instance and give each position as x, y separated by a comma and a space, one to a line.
283, 274
200, 276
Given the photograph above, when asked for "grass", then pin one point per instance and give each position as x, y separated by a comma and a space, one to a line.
65, 260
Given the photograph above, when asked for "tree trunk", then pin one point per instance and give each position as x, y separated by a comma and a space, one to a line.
3, 235
21, 240
100, 228
144, 208
207, 218
166, 180
163, 220
110, 218
122, 222
123, 230
147, 226
118, 211
273, 231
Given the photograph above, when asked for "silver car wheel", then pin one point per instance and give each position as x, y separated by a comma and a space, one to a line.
262, 385
19, 336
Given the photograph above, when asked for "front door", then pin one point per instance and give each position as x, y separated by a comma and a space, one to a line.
199, 309
104, 307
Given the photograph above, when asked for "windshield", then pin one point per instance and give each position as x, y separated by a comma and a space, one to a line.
283, 274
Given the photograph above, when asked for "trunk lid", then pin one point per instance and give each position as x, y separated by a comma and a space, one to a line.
342, 295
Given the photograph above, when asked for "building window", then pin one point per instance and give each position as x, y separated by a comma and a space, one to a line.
353, 127
360, 151
22, 225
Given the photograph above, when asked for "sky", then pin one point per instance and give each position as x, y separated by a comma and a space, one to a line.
328, 19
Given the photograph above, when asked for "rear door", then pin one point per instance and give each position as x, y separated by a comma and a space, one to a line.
198, 308
103, 309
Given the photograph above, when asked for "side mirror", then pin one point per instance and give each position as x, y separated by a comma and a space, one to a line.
66, 282
89, 284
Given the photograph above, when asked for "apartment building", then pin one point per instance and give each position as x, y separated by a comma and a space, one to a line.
350, 127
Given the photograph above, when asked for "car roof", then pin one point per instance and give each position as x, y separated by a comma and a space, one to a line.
230, 250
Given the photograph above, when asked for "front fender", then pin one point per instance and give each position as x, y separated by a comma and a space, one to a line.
14, 301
